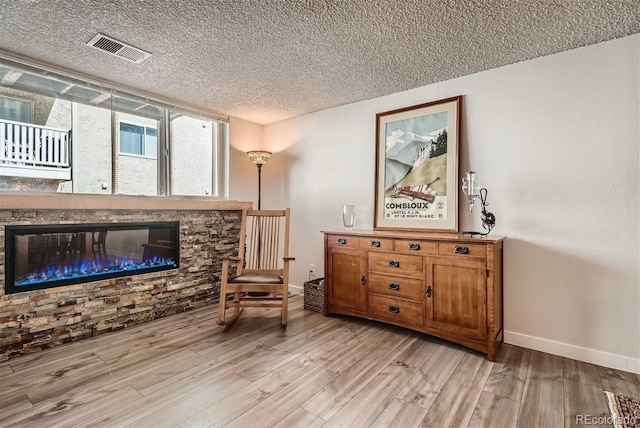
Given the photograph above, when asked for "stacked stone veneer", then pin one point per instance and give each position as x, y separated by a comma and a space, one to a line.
35, 320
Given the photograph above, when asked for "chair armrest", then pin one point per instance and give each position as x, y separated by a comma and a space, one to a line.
226, 262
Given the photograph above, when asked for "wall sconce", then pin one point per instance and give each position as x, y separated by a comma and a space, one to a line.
259, 158
469, 188
471, 191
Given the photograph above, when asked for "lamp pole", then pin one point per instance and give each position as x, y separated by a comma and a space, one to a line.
259, 158
259, 184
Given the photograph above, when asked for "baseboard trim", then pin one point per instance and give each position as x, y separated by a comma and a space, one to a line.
588, 355
295, 290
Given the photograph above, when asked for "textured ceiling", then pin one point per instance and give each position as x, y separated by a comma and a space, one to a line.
268, 60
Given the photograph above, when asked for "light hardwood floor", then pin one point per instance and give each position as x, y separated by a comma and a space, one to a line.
186, 371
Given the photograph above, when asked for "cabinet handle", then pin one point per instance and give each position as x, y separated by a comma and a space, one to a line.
394, 287
461, 250
363, 280
394, 309
342, 241
375, 244
428, 291
394, 263
414, 247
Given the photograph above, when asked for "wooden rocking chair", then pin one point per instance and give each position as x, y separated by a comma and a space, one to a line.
262, 271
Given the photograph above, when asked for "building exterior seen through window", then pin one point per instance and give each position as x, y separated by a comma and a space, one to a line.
65, 136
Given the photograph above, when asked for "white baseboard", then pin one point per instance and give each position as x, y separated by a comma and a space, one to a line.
295, 290
593, 356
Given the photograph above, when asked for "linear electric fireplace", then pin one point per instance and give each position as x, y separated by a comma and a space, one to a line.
45, 256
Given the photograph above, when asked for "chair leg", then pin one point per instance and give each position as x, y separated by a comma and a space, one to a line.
222, 308
237, 310
285, 305
222, 304
233, 318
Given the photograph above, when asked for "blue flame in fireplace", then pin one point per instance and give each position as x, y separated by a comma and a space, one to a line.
92, 268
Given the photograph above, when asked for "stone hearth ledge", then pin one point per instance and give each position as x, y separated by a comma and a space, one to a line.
82, 201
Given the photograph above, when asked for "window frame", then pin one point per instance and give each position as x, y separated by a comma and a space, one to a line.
144, 144
25, 100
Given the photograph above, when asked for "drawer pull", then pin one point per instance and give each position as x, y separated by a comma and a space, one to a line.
414, 247
428, 291
394, 287
394, 309
375, 244
461, 250
363, 280
342, 241
394, 263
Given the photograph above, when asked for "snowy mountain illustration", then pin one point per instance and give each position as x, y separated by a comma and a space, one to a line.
402, 156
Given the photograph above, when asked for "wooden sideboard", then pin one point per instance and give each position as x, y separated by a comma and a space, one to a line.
445, 285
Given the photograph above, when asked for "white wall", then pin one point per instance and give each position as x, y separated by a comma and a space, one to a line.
243, 177
556, 142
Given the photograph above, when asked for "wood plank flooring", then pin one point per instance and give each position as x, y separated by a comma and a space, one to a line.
186, 371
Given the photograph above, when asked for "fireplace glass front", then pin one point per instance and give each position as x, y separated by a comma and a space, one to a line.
48, 256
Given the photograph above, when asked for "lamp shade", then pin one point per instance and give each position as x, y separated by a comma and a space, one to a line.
259, 157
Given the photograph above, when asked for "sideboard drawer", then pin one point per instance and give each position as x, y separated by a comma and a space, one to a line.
393, 286
407, 246
397, 310
376, 244
343, 241
468, 250
396, 264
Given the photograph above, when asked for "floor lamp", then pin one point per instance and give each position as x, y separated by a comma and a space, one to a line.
259, 158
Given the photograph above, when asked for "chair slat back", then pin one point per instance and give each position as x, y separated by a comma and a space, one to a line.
266, 240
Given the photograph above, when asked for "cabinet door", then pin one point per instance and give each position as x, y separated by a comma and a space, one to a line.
347, 283
456, 297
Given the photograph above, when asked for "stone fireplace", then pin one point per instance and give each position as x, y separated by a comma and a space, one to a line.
66, 310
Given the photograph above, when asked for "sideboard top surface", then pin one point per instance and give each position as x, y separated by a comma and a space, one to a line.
434, 236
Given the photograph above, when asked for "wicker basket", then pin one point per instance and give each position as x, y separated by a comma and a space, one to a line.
314, 295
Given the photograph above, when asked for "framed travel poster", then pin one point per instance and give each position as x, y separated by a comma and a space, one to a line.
417, 167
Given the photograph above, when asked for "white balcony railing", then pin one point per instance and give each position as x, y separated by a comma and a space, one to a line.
33, 150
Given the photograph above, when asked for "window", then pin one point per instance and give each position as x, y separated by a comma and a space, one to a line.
138, 140
192, 155
123, 143
16, 109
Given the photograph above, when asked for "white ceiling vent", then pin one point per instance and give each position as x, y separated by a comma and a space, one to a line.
114, 47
